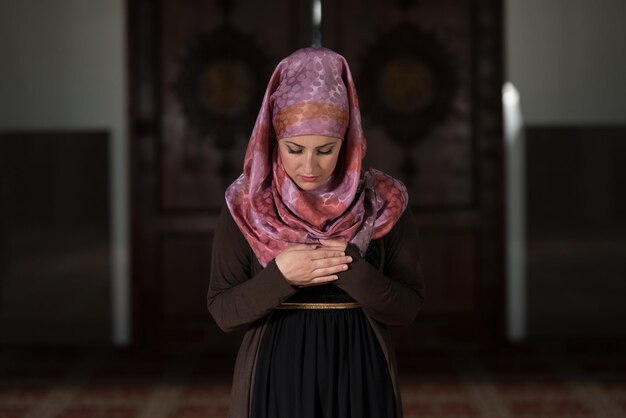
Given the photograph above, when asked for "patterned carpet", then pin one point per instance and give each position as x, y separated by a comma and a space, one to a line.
544, 381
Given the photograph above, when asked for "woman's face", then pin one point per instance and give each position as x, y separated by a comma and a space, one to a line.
309, 160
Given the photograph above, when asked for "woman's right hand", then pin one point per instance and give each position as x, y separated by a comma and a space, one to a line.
305, 265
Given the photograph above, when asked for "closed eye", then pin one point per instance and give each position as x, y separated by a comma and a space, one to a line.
325, 152
319, 151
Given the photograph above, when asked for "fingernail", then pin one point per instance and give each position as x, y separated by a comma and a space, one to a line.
335, 277
349, 259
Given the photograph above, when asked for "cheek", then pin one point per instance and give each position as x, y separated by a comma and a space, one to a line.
289, 163
330, 164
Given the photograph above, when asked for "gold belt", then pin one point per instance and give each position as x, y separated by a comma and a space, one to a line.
314, 305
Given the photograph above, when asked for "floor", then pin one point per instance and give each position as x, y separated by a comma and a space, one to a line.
539, 381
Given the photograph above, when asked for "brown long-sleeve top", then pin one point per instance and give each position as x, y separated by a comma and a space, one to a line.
243, 294
391, 295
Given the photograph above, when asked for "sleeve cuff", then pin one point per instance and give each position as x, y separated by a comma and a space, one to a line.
281, 283
353, 251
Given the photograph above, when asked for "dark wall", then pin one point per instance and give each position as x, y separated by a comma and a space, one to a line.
576, 217
55, 271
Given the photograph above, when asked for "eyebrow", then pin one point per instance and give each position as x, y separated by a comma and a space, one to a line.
321, 146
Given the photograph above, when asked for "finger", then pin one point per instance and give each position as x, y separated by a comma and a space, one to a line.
333, 247
320, 253
327, 271
319, 280
327, 246
331, 262
333, 242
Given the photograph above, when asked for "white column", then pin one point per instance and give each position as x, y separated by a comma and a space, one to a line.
515, 214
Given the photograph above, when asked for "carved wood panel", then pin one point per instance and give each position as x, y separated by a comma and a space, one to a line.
413, 65
428, 74
215, 61
198, 69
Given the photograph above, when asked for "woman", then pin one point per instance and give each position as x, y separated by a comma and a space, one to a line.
313, 255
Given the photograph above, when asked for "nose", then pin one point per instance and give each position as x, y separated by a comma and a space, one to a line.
310, 164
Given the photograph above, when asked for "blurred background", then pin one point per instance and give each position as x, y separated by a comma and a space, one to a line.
122, 123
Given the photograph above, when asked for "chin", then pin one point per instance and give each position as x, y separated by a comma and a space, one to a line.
308, 185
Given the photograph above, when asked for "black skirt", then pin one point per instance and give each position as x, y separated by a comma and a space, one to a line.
321, 363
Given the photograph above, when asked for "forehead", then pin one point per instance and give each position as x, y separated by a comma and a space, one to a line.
310, 141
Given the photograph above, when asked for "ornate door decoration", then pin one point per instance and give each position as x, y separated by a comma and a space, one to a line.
411, 85
219, 86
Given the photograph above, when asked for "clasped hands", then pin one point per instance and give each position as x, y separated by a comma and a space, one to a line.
310, 264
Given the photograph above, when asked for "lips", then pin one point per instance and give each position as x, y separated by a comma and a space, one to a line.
310, 179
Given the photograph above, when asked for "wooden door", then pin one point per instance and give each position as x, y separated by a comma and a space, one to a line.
429, 78
198, 70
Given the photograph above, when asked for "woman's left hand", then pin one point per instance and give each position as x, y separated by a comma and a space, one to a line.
334, 244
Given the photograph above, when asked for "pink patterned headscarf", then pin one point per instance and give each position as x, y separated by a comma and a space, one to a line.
311, 92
